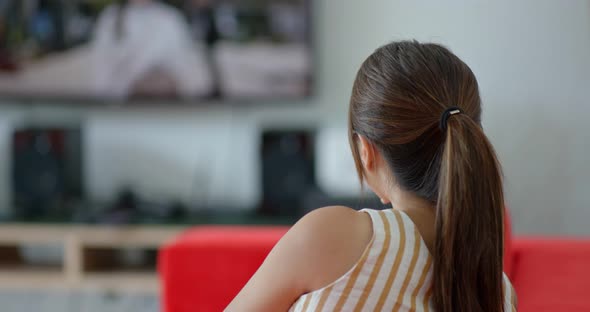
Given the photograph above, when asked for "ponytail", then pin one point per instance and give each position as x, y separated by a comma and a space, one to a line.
396, 103
468, 250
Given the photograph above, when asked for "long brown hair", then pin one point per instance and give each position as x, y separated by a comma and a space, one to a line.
398, 97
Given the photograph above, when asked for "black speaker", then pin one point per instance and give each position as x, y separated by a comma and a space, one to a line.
46, 172
288, 171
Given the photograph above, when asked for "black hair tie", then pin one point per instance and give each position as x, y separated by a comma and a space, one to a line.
446, 114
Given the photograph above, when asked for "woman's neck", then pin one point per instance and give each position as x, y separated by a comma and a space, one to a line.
421, 211
408, 202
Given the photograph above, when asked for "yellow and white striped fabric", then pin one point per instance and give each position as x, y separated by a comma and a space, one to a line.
393, 274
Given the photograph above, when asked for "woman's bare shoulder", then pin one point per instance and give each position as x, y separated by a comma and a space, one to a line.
316, 251
331, 240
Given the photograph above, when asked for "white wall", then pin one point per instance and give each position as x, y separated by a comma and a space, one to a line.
531, 59
532, 62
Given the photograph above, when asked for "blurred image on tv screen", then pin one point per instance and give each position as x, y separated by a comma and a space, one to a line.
192, 50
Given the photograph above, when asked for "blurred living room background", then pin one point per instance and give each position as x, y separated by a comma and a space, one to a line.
123, 123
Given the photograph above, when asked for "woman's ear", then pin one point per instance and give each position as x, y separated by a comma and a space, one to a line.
371, 163
367, 153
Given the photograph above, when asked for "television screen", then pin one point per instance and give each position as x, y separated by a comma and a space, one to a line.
121, 50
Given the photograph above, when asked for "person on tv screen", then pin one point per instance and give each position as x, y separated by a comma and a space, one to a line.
144, 48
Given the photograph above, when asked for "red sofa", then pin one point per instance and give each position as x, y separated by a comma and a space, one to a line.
204, 268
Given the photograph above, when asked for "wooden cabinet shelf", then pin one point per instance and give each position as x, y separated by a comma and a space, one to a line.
87, 260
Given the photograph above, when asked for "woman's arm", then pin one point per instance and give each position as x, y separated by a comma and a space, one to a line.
317, 250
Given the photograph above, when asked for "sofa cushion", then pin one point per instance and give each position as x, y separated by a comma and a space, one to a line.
551, 274
204, 268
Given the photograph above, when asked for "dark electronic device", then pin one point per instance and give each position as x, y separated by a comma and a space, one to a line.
287, 172
46, 172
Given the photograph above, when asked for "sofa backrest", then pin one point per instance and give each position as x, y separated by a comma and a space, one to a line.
508, 256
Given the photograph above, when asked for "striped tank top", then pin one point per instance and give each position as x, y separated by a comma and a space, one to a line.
394, 273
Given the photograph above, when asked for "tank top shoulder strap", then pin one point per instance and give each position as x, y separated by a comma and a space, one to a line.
386, 222
389, 228
377, 222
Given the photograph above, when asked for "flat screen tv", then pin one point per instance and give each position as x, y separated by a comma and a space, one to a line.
189, 51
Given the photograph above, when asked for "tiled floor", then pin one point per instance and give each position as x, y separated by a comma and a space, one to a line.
61, 301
